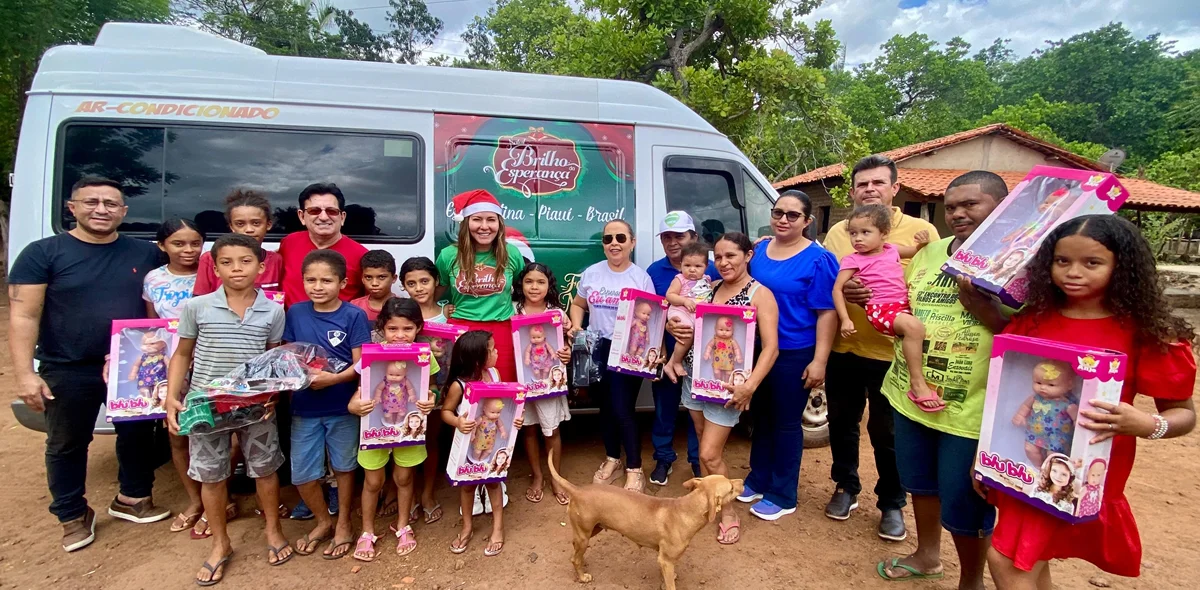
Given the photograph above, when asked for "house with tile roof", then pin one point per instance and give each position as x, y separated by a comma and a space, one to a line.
926, 168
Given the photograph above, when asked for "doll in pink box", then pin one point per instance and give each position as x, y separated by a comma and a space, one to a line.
150, 368
723, 350
1048, 415
639, 330
394, 393
487, 430
539, 356
1093, 488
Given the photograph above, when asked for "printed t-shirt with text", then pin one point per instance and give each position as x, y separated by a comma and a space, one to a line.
601, 287
867, 342
958, 349
168, 292
487, 298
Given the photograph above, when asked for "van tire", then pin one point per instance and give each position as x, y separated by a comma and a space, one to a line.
816, 420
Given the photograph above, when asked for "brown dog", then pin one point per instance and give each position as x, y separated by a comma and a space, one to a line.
666, 525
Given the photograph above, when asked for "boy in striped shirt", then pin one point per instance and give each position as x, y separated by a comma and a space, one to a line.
218, 332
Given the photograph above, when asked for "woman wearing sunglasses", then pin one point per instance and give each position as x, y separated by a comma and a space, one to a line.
800, 273
478, 273
599, 290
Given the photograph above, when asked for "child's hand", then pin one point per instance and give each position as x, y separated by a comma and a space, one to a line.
921, 238
358, 406
174, 407
448, 310
321, 380
426, 406
465, 426
566, 322
689, 305
519, 422
848, 328
564, 355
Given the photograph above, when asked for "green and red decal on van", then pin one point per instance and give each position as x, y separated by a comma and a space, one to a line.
558, 182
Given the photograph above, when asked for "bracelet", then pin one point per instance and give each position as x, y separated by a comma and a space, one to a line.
1160, 427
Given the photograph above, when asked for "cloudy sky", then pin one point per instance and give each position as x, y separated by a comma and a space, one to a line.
862, 25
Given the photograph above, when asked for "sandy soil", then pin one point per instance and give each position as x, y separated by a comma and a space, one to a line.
805, 550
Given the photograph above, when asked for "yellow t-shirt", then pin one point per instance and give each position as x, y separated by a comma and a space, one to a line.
867, 342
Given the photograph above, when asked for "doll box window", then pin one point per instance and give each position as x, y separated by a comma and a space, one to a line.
140, 352
637, 342
723, 350
537, 338
396, 377
484, 455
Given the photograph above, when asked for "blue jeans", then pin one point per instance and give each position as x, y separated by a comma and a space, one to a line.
778, 440
667, 396
312, 437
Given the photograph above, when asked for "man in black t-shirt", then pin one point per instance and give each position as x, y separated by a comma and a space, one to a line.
64, 292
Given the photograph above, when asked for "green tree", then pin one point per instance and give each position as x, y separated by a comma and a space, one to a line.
1180, 170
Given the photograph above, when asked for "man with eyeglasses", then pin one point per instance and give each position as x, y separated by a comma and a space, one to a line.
64, 292
858, 364
322, 211
675, 231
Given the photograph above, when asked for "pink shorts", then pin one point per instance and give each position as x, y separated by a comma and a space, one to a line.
883, 315
677, 311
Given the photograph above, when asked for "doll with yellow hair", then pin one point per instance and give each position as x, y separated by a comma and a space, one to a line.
487, 430
1048, 415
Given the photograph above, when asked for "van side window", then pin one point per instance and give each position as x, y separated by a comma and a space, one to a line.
186, 171
705, 189
758, 207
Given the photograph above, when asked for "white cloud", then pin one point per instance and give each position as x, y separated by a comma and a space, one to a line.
863, 25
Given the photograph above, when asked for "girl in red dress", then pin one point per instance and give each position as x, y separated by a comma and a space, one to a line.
1094, 283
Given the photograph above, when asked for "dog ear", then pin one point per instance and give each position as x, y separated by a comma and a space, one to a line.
714, 502
691, 483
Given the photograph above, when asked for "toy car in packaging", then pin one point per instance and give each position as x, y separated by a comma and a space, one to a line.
1031, 445
396, 376
483, 456
140, 352
637, 341
537, 338
723, 350
242, 397
995, 255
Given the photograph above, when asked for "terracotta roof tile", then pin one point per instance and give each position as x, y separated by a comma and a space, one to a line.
1143, 194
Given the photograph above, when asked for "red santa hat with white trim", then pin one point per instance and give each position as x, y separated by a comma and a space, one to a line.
475, 201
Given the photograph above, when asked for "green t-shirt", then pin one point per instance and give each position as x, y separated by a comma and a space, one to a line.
487, 298
958, 349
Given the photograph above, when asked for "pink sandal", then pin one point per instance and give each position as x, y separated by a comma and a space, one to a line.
365, 545
406, 541
920, 401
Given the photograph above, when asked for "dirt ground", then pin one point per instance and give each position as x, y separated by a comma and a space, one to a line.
805, 550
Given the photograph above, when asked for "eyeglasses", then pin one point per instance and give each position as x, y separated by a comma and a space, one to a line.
620, 238
792, 216
93, 204
330, 211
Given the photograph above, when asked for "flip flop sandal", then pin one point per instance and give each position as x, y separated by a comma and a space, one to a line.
275, 551
213, 580
184, 522
563, 498
366, 543
724, 530
913, 573
920, 401
413, 513
305, 541
333, 550
463, 543
198, 536
487, 551
429, 517
535, 495
406, 541
390, 509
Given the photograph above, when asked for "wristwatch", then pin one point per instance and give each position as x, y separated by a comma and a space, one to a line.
1160, 427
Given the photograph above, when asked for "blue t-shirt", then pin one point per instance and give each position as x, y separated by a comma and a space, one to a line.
802, 285
339, 332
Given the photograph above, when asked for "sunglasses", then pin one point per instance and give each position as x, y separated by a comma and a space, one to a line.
330, 211
792, 216
620, 238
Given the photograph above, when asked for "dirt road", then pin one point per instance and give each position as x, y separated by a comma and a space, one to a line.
805, 550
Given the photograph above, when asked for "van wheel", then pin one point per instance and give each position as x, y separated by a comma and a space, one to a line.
816, 420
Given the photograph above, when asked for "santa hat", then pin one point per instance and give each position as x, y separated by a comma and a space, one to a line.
472, 202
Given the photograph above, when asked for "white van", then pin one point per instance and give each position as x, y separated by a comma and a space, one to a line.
180, 117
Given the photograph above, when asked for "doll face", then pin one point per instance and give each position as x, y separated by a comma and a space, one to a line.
396, 371
1095, 474
642, 312
1060, 475
492, 409
152, 344
724, 328
414, 421
1053, 380
537, 335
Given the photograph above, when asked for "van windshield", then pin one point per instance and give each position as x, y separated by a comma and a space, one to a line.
707, 189
186, 171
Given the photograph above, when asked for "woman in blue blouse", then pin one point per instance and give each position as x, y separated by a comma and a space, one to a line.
801, 274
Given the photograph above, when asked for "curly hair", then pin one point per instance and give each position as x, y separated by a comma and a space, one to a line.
879, 216
1067, 493
1134, 295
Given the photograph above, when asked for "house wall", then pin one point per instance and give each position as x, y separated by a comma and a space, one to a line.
991, 152
827, 215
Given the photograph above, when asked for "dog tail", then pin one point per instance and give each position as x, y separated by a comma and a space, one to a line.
562, 481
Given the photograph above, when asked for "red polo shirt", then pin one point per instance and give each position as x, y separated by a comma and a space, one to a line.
296, 246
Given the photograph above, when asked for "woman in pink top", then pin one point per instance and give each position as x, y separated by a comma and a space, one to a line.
876, 264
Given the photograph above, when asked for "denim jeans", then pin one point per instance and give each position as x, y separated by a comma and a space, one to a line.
79, 391
852, 383
778, 441
617, 393
667, 396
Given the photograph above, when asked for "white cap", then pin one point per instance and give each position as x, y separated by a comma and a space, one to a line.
676, 222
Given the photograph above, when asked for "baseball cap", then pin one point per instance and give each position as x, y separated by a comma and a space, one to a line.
676, 222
